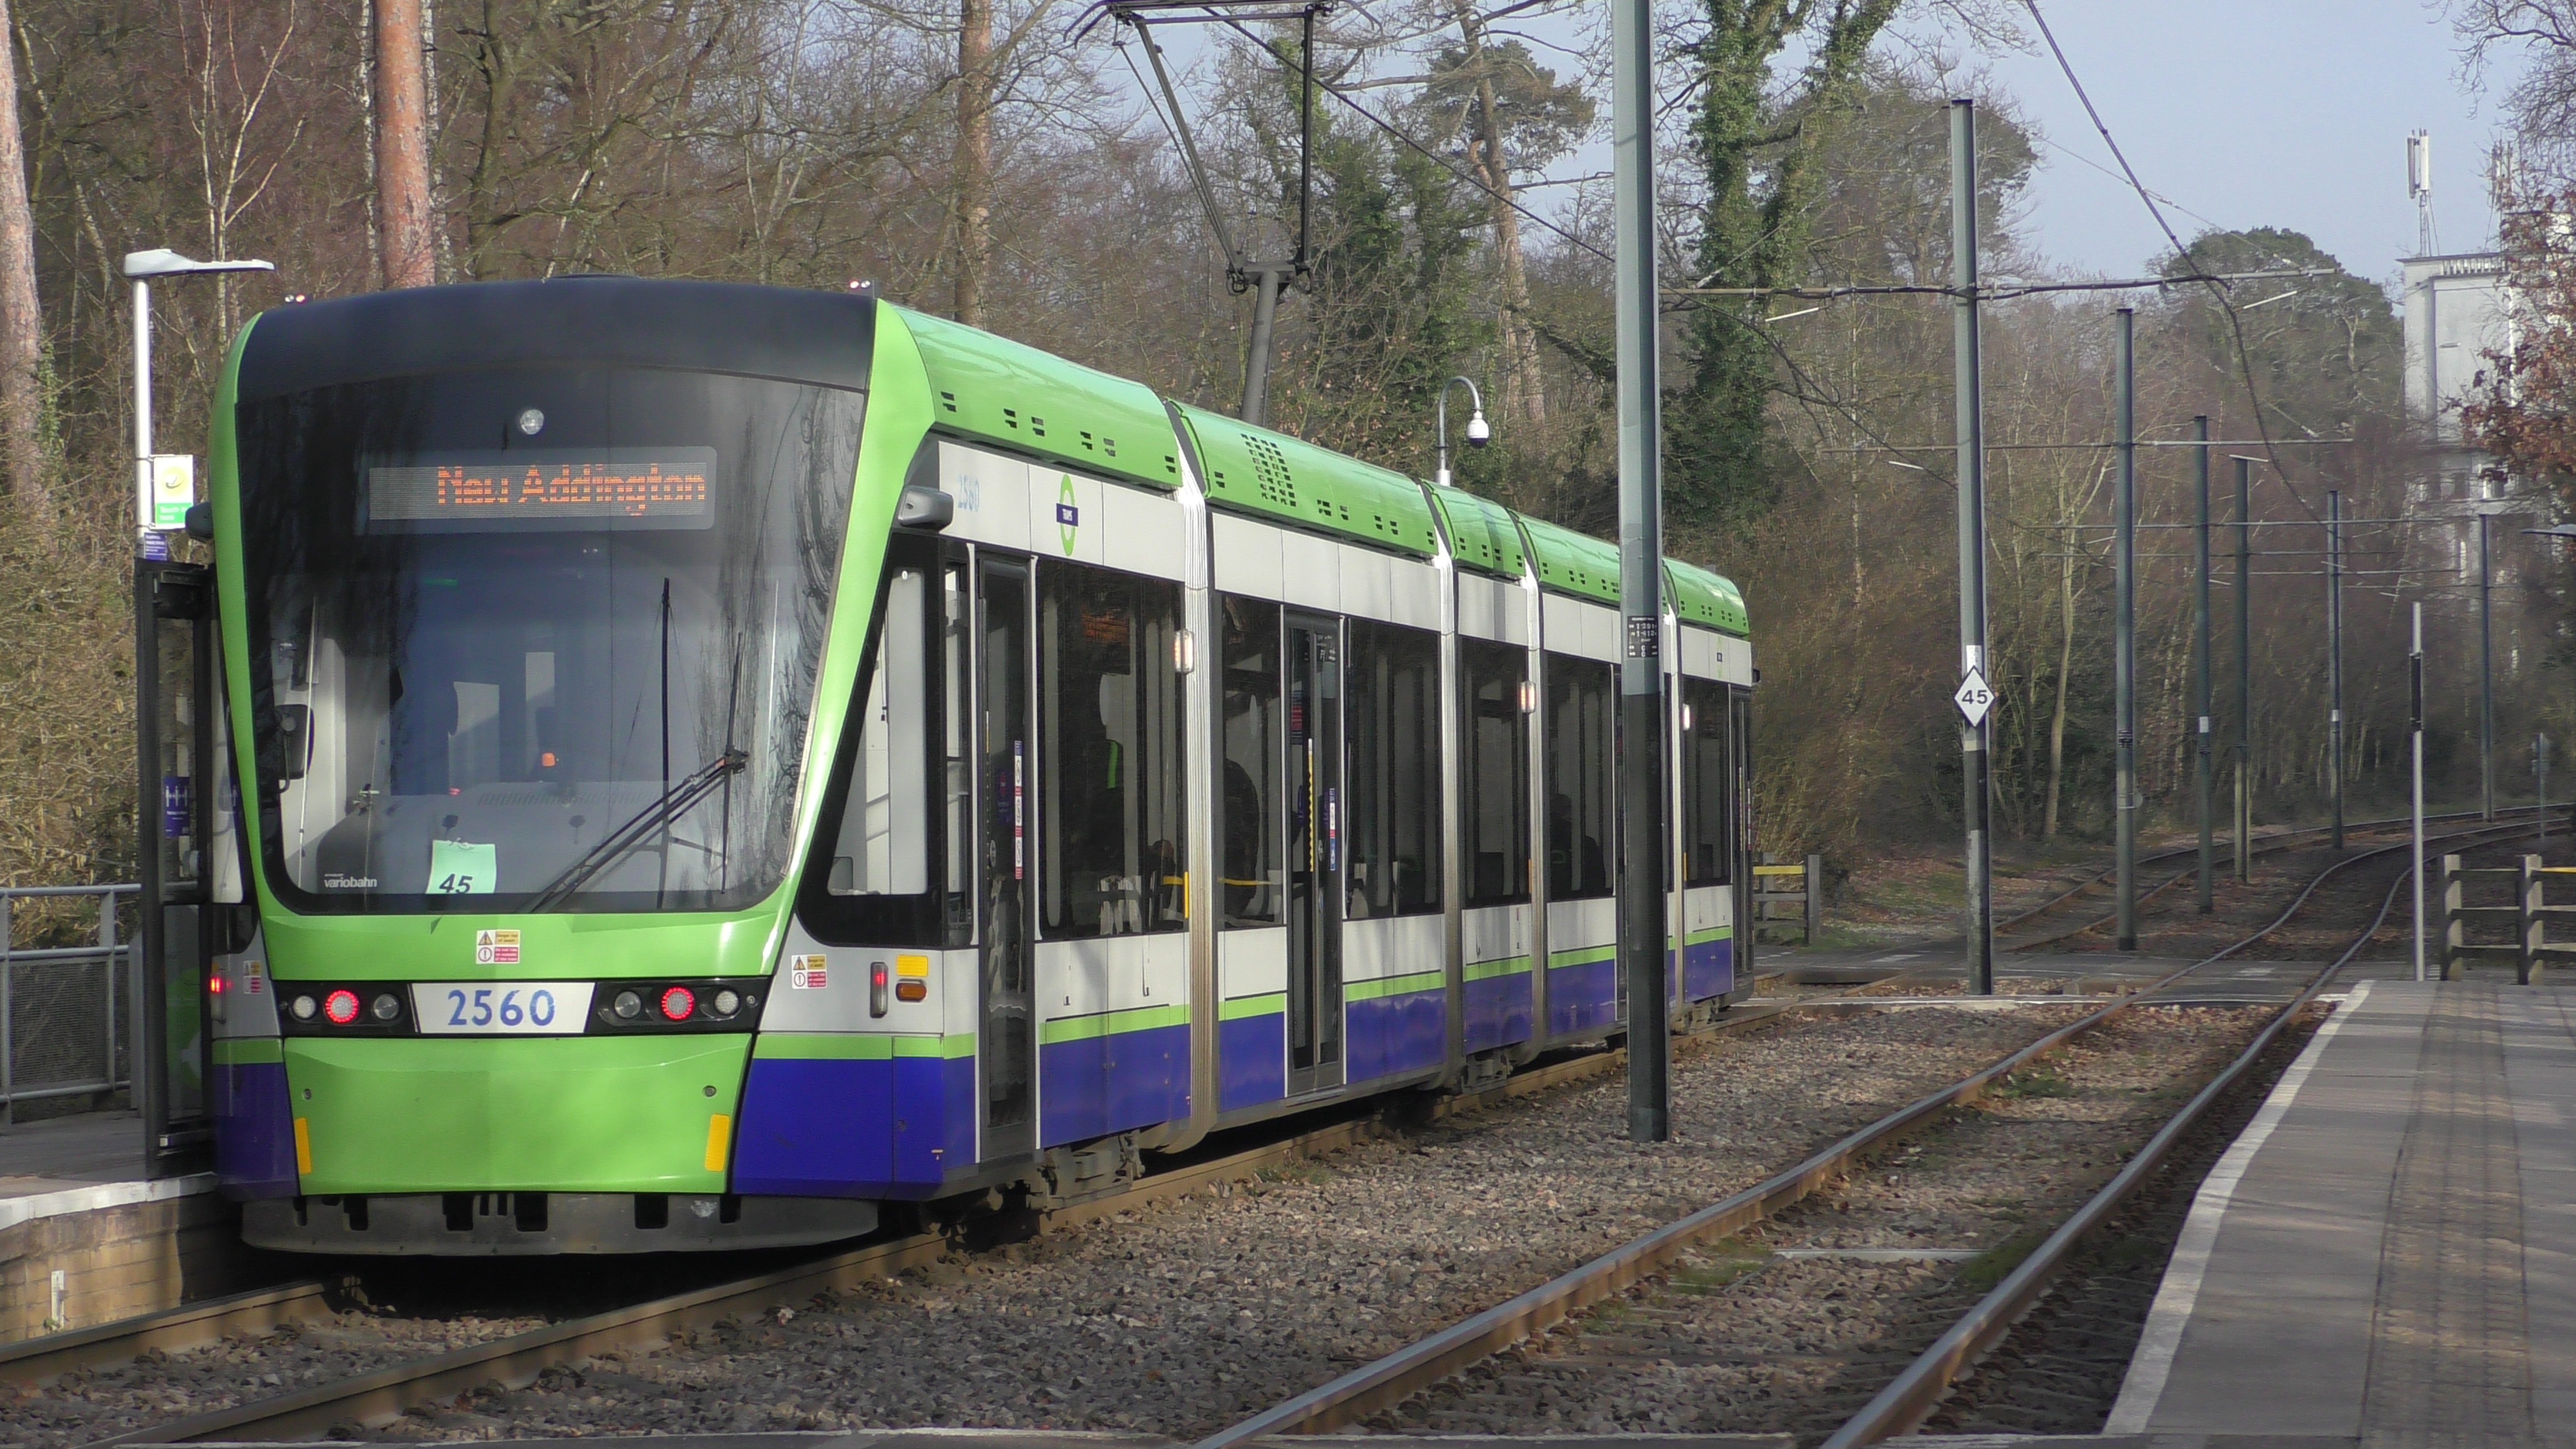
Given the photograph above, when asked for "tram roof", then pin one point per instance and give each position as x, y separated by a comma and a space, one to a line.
1000, 391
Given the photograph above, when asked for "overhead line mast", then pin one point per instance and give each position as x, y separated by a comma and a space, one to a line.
1265, 280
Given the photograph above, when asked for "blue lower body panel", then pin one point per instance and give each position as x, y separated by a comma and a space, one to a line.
817, 1127
254, 1130
1498, 1011
1708, 969
1093, 1086
1394, 1034
1582, 998
1251, 1061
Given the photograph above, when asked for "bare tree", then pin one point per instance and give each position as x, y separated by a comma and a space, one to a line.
401, 94
22, 327
974, 157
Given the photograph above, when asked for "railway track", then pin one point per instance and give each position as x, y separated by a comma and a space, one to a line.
516, 1360
2260, 845
1392, 1379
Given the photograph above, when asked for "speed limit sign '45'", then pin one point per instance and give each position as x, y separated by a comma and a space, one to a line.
1974, 698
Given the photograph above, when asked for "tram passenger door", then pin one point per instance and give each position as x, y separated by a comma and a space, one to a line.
1006, 1046
1314, 659
175, 663
1739, 719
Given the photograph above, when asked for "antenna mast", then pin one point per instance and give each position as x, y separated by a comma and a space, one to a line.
2419, 185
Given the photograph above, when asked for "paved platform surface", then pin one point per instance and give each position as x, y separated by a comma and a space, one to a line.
79, 1164
2387, 1256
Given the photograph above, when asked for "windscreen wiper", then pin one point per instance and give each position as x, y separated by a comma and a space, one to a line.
621, 842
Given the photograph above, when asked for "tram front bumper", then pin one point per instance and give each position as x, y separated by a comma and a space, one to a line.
629, 1114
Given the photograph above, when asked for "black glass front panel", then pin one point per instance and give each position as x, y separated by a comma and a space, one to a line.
1582, 750
1250, 812
1110, 821
1708, 784
538, 639
1393, 721
1494, 795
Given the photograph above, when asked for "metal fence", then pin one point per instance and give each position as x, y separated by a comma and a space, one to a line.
64, 1010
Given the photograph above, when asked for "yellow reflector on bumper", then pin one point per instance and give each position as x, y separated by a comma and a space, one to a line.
719, 1134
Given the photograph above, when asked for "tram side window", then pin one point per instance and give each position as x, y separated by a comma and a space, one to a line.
1708, 778
1255, 728
1392, 721
1494, 733
900, 866
1581, 833
1110, 767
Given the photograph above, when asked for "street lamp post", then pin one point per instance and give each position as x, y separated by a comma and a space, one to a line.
174, 750
1478, 434
178, 486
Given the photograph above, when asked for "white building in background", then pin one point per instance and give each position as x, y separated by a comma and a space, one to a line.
2456, 313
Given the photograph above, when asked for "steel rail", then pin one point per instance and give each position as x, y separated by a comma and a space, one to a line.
2259, 844
190, 1325
516, 1360
1914, 1394
1388, 1381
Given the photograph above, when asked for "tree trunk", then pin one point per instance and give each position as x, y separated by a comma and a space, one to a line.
22, 326
2065, 664
973, 165
1524, 391
402, 147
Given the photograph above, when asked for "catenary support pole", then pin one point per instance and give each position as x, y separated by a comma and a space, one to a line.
2540, 786
1642, 945
1969, 388
1267, 282
2124, 626
2486, 675
2415, 737
2334, 656
2200, 659
2244, 670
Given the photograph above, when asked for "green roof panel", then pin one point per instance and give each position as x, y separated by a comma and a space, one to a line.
1005, 392
1701, 597
1573, 563
1254, 470
1481, 535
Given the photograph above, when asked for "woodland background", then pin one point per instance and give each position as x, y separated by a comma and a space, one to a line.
988, 159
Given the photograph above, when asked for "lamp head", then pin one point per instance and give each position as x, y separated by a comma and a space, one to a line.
1478, 435
163, 262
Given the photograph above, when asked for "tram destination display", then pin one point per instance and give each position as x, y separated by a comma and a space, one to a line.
542, 489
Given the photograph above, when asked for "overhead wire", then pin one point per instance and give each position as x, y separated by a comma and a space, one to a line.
2235, 326
1336, 92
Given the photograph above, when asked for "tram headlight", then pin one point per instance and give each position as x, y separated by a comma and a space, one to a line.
628, 1006
386, 1006
725, 1003
303, 1008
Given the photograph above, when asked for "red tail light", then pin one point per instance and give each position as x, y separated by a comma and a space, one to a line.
677, 1003
876, 988
341, 1006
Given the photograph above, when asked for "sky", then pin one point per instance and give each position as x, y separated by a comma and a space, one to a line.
2245, 113
2286, 113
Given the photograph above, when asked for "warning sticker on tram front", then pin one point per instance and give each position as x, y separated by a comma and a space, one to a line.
496, 948
1974, 698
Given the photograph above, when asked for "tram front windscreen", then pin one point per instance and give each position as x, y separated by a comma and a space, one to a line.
538, 638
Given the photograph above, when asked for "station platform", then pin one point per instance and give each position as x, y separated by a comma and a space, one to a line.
2387, 1254
85, 1238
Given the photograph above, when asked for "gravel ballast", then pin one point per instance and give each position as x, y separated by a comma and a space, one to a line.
1752, 1335
1177, 1317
